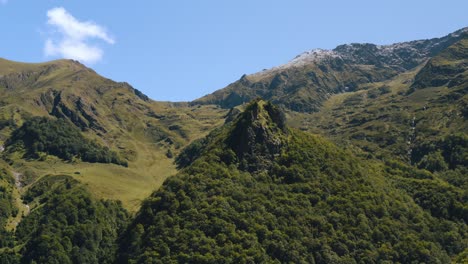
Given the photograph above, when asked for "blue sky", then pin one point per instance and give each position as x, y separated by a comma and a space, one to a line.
180, 50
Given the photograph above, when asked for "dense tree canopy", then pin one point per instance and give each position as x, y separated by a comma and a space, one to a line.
314, 203
69, 225
60, 138
7, 210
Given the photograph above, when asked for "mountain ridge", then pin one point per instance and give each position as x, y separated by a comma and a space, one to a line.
350, 52
143, 132
308, 80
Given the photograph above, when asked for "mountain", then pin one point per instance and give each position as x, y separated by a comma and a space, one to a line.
359, 154
307, 81
70, 140
114, 117
262, 192
390, 101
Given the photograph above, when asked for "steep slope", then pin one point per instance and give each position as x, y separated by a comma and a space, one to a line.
307, 81
448, 68
116, 118
259, 191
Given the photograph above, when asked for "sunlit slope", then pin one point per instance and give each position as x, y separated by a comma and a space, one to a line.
145, 133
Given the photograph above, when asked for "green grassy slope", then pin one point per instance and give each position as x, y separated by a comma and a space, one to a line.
144, 133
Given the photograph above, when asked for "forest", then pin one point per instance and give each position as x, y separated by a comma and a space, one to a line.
67, 226
60, 138
314, 203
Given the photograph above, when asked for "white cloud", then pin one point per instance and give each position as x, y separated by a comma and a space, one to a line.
73, 39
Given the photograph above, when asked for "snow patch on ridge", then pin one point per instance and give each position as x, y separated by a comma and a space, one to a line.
315, 55
312, 56
398, 55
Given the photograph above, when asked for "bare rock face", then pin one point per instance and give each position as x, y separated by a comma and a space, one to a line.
78, 112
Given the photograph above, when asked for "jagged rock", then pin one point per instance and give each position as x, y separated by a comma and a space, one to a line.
258, 135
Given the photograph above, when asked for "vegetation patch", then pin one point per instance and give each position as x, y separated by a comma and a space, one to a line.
68, 225
59, 138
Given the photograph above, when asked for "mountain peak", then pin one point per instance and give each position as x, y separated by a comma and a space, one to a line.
258, 135
264, 114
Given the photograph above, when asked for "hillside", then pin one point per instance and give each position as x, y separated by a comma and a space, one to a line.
142, 133
67, 225
401, 117
70, 140
281, 195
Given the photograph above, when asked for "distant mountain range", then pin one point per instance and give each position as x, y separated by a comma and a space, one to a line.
353, 155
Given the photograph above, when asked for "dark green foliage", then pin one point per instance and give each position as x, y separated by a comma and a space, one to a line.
314, 203
190, 153
193, 151
9, 257
433, 162
6, 123
7, 208
441, 199
456, 177
256, 137
59, 138
69, 226
449, 152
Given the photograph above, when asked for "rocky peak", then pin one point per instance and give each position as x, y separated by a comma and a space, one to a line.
400, 56
258, 135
